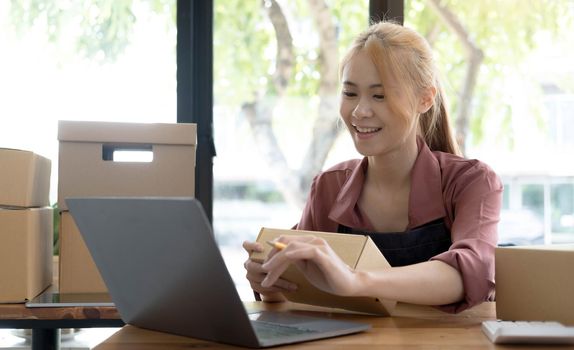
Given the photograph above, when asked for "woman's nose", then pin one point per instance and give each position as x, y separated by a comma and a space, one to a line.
362, 110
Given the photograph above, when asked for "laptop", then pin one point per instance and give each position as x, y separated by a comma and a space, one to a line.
164, 271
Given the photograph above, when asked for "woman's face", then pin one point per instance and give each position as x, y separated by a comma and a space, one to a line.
374, 127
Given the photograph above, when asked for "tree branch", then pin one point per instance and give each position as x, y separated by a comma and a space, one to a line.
259, 113
475, 57
284, 55
325, 129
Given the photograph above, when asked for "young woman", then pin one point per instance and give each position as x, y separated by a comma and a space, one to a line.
432, 213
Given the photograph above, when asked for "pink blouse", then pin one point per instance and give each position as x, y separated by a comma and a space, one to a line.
465, 193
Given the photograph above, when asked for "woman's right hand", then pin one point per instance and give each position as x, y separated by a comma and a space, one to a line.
255, 275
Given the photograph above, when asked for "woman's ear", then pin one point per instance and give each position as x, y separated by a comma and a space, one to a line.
426, 99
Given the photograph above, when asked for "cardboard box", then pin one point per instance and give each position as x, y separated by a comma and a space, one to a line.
24, 179
26, 238
535, 283
78, 272
86, 166
359, 252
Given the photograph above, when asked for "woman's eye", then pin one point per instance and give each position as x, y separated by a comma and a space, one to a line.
379, 97
349, 94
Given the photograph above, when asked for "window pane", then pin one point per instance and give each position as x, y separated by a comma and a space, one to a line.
275, 114
508, 73
506, 196
562, 208
98, 60
533, 199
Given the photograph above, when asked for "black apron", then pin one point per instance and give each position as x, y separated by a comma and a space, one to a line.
413, 246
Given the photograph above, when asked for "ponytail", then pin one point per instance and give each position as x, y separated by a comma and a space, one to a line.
435, 126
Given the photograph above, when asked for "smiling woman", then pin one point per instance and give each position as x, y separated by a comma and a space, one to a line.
432, 213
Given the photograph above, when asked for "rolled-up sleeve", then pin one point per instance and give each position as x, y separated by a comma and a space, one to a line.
476, 199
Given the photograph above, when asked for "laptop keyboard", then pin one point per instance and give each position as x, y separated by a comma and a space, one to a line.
274, 330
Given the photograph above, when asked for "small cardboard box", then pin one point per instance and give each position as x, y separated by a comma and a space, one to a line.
87, 166
78, 272
357, 251
24, 179
26, 238
535, 283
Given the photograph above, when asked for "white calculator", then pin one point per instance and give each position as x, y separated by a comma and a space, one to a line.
528, 332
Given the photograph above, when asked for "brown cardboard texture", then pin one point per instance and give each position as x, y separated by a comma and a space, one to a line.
359, 252
87, 167
26, 237
78, 272
535, 283
24, 179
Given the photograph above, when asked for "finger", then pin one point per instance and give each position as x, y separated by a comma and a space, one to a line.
253, 267
251, 247
256, 274
320, 260
274, 274
295, 238
279, 257
285, 285
309, 254
279, 285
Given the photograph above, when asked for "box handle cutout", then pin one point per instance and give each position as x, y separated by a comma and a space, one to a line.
135, 153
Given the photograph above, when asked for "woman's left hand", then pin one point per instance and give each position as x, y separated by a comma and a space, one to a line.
316, 260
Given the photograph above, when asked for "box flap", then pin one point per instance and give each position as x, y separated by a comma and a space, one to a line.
4, 149
112, 132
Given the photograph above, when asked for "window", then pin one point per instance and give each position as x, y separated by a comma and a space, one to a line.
510, 80
275, 112
92, 60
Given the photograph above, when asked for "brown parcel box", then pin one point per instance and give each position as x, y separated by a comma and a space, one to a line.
78, 272
535, 283
359, 252
24, 179
87, 169
26, 237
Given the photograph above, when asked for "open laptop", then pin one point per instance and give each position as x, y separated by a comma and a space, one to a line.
164, 271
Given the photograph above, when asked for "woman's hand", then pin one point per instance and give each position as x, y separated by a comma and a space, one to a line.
255, 275
316, 260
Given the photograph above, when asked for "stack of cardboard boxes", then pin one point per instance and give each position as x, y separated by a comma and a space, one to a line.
26, 225
89, 167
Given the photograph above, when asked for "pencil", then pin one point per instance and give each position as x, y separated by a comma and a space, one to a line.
277, 245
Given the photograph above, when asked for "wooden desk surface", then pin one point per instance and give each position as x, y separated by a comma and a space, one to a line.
413, 327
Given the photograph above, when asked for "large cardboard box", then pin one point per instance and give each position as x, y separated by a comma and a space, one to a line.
87, 168
357, 251
78, 272
24, 179
26, 238
535, 283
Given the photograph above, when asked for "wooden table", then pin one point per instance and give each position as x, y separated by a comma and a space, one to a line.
46, 322
412, 327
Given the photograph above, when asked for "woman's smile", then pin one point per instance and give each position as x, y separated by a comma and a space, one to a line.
364, 132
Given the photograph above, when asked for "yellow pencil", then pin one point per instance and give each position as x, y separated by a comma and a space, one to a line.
277, 245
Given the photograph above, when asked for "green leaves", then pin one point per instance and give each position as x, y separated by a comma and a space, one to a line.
99, 29
508, 32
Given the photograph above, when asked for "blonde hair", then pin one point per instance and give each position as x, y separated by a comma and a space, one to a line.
403, 54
